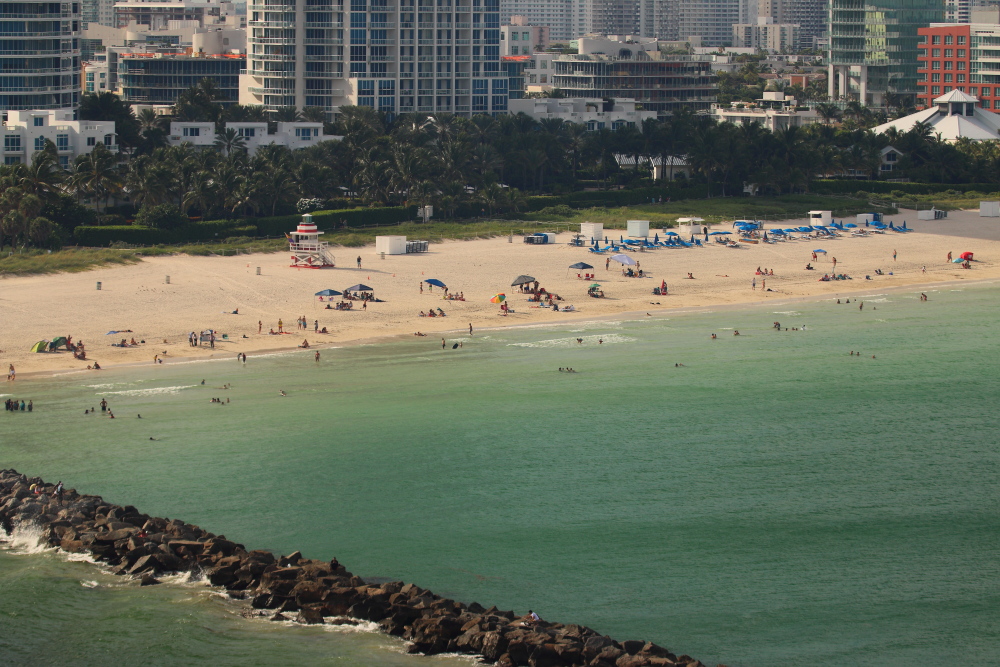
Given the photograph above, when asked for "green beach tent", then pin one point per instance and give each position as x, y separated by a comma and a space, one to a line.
59, 341
40, 346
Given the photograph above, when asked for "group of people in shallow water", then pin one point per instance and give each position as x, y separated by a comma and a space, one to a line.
105, 409
12, 405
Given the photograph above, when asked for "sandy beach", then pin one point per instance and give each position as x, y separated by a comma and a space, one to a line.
203, 291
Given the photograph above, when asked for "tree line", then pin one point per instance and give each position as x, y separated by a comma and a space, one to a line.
462, 166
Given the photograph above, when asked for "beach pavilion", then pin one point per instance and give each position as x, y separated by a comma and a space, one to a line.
953, 116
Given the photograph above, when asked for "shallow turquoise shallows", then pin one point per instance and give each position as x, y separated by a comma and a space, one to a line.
772, 501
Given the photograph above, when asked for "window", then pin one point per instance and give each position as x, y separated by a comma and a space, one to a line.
12, 142
961, 39
936, 64
62, 142
192, 131
960, 78
109, 139
936, 78
936, 39
935, 90
91, 141
39, 122
513, 36
39, 143
960, 65
16, 159
948, 39
948, 64
960, 53
947, 53
890, 156
986, 104
947, 78
247, 132
936, 53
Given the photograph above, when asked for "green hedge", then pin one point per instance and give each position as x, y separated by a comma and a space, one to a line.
210, 230
884, 187
329, 220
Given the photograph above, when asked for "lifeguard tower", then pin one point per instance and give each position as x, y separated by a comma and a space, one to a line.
307, 250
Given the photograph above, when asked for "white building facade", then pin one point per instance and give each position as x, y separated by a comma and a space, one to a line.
773, 111
397, 56
595, 114
26, 132
293, 135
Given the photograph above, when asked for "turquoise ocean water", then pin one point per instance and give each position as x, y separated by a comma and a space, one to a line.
774, 501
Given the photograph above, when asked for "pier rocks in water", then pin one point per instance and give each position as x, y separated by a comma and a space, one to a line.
308, 591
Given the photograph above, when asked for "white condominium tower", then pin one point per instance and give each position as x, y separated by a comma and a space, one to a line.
397, 56
39, 55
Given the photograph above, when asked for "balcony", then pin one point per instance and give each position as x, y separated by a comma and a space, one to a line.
270, 91
271, 24
462, 75
406, 75
446, 24
271, 40
377, 25
463, 59
462, 107
381, 42
260, 73
335, 41
324, 24
425, 25
406, 24
273, 56
461, 25
406, 59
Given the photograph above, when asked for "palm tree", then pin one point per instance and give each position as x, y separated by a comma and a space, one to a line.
286, 115
230, 140
829, 112
96, 175
314, 114
201, 193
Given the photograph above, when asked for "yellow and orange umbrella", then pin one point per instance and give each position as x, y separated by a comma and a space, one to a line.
498, 298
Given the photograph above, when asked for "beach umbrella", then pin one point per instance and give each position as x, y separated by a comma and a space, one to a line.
498, 298
671, 234
850, 225
59, 340
966, 255
40, 346
522, 280
360, 288
580, 265
819, 250
656, 237
623, 259
435, 282
595, 285
328, 292
720, 233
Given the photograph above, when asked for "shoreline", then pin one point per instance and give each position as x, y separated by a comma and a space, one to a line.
635, 315
204, 292
140, 546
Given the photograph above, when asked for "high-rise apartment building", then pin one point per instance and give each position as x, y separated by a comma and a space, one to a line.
957, 11
101, 12
398, 56
965, 58
40, 55
810, 15
873, 48
561, 16
767, 35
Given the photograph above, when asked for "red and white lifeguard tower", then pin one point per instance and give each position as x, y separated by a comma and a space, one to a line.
307, 250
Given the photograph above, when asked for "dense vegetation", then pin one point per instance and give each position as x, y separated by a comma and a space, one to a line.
483, 166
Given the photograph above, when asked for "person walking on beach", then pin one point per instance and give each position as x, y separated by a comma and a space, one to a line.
754, 284
923, 269
315, 326
607, 263
280, 325
834, 263
894, 255
470, 328
11, 373
359, 261
949, 255
422, 286
260, 326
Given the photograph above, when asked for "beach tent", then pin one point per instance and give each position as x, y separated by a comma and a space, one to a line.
580, 265
328, 292
40, 346
522, 280
819, 250
435, 282
623, 259
360, 288
58, 340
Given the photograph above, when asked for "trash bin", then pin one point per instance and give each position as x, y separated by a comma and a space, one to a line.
168, 280
258, 270
98, 284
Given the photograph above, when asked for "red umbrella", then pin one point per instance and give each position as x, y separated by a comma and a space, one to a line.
966, 255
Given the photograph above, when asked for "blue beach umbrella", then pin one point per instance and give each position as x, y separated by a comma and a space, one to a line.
435, 282
656, 237
720, 233
819, 250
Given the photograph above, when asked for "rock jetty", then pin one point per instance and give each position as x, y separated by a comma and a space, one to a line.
304, 590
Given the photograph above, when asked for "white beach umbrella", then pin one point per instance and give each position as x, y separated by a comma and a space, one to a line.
623, 259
